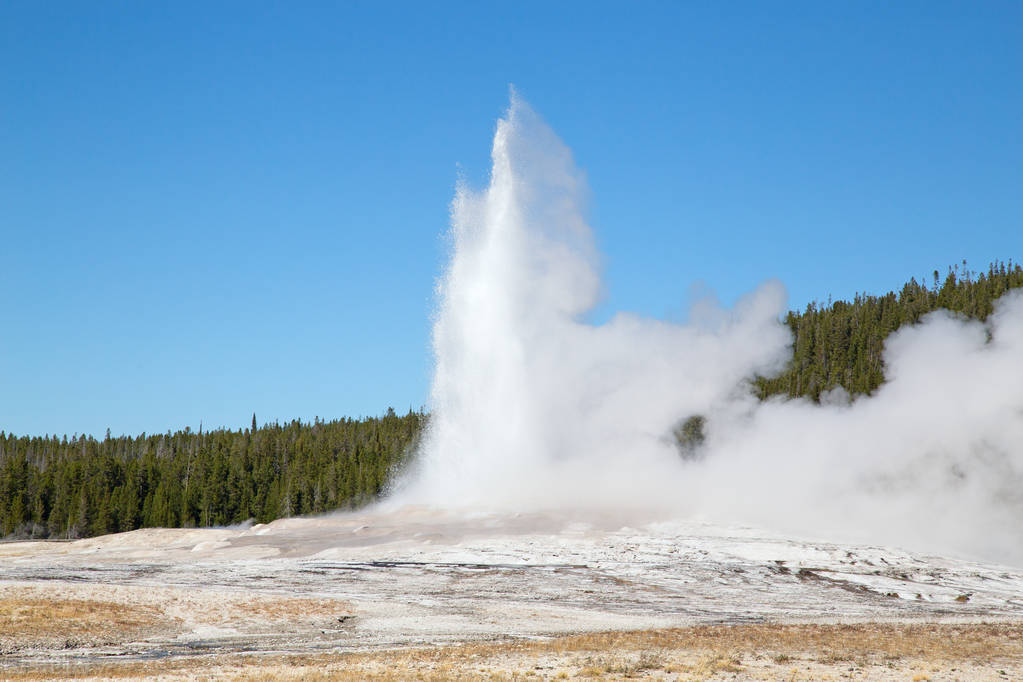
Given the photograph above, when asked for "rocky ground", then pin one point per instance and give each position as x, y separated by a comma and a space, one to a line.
419, 593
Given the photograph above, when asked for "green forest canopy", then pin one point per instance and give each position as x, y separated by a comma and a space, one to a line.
64, 487
841, 344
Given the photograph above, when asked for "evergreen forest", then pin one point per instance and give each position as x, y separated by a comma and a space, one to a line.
59, 487
78, 487
841, 343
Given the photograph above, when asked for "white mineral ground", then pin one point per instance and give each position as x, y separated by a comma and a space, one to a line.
412, 576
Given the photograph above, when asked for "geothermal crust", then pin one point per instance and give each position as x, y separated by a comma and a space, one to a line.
419, 576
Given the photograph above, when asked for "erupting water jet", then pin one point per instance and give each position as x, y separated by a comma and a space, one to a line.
533, 408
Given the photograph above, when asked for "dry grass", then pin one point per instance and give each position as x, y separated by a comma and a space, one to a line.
951, 641
273, 610
50, 605
770, 652
32, 620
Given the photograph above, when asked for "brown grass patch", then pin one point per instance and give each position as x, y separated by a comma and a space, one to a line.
30, 619
287, 609
955, 641
879, 651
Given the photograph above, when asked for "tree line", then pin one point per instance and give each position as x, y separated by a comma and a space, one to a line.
841, 343
81, 486
75, 487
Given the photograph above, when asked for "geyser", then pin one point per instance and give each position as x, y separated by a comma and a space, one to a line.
533, 408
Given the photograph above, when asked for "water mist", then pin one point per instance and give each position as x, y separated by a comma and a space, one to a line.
533, 408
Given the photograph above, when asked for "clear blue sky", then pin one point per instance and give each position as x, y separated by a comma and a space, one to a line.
214, 209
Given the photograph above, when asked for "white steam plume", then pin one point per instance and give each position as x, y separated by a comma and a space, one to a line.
933, 460
533, 408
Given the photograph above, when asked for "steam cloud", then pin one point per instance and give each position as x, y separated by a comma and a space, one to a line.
532, 408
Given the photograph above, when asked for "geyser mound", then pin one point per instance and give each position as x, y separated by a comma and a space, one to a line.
533, 408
